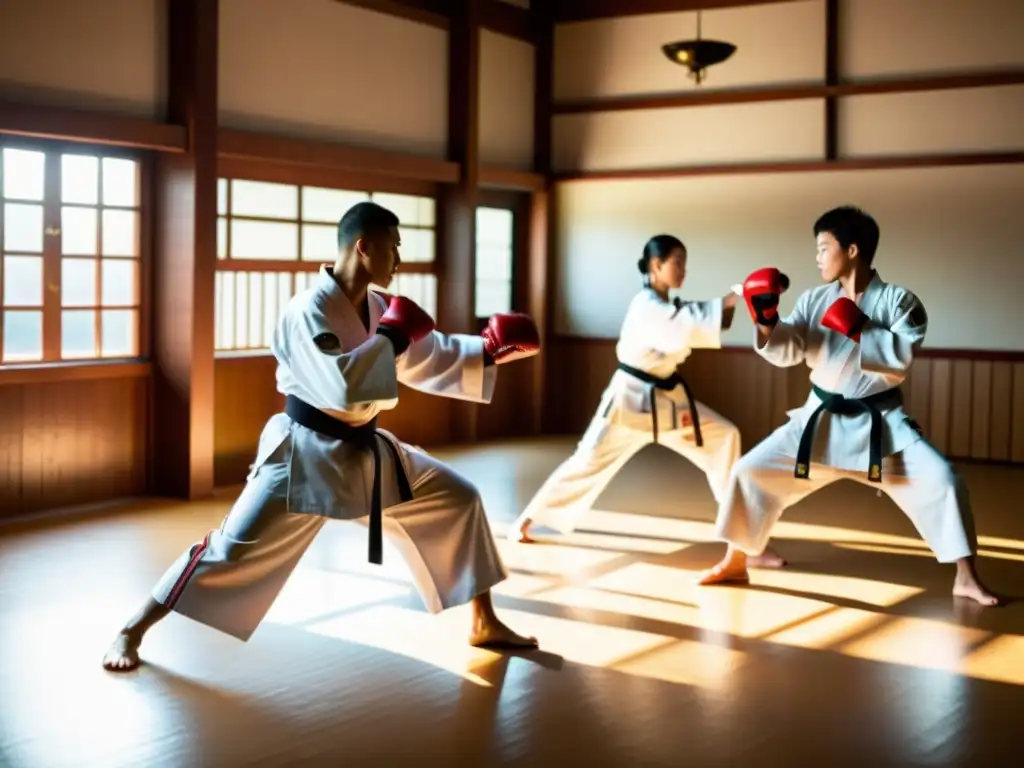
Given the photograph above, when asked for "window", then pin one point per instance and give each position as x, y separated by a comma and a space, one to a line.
272, 239
495, 235
70, 272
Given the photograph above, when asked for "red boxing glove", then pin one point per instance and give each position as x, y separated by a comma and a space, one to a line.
761, 291
511, 337
404, 322
845, 317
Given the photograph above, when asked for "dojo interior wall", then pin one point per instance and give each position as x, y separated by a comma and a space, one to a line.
316, 72
951, 233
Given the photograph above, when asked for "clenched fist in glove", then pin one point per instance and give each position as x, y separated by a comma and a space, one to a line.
845, 317
761, 291
509, 337
403, 323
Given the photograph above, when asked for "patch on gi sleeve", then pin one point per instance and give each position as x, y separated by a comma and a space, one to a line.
914, 311
327, 342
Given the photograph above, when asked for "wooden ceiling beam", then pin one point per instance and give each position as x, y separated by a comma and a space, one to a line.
495, 15
590, 10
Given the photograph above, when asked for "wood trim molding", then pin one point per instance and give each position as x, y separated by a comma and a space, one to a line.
588, 10
496, 16
94, 127
495, 177
269, 265
47, 373
945, 353
799, 166
747, 95
244, 145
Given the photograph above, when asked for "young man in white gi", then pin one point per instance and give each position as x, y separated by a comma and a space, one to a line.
859, 336
341, 351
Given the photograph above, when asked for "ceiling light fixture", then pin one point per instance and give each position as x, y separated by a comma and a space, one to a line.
696, 55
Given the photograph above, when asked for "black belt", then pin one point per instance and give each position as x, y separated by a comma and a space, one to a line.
673, 381
364, 437
844, 406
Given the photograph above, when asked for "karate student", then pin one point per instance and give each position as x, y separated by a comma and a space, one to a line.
646, 400
858, 335
341, 352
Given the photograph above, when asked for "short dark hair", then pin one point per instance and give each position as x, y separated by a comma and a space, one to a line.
848, 225
658, 247
365, 219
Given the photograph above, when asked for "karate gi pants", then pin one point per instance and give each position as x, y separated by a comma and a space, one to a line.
919, 479
605, 448
231, 578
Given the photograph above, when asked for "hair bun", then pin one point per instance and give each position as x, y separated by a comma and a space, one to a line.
641, 264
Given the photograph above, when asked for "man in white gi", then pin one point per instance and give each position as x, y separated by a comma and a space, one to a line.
341, 351
858, 335
646, 400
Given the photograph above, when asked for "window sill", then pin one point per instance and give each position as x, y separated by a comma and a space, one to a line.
240, 354
87, 370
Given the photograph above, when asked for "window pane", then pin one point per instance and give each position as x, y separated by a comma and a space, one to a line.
225, 310
493, 262
303, 280
319, 242
119, 280
23, 337
120, 182
494, 226
222, 238
78, 229
264, 240
78, 282
493, 296
261, 198
417, 244
78, 333
410, 209
79, 179
420, 288
320, 204
242, 309
23, 281
119, 327
270, 307
120, 233
256, 281
23, 228
24, 174
222, 197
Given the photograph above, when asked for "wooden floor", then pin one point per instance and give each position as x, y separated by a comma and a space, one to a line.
855, 655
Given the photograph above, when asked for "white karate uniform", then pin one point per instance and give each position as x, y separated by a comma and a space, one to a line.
656, 337
327, 358
914, 474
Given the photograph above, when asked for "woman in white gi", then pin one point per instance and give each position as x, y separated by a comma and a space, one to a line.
859, 336
341, 352
646, 401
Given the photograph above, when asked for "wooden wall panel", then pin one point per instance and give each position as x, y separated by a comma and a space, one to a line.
970, 407
69, 443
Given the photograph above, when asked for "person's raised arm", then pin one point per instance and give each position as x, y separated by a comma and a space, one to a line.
780, 341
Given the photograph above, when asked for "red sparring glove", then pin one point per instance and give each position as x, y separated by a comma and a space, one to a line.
845, 317
511, 337
761, 291
404, 322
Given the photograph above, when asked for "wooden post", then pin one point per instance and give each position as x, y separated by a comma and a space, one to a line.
185, 257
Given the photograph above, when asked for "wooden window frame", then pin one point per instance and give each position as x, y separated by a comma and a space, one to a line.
52, 367
301, 175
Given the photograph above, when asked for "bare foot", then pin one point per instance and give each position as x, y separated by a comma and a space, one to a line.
731, 570
123, 653
523, 534
494, 634
767, 559
973, 589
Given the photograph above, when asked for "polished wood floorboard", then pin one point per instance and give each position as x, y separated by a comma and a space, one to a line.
854, 655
